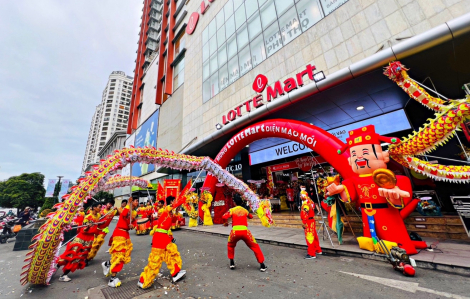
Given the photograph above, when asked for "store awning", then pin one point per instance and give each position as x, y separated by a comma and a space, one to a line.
440, 54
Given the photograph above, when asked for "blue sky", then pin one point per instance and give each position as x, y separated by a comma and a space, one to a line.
55, 60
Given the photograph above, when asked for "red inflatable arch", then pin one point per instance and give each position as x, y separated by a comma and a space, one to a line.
315, 138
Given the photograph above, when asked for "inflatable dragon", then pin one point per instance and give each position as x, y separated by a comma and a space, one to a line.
41, 260
449, 117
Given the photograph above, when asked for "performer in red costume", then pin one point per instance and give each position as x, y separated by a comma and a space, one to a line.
107, 215
75, 255
239, 232
307, 214
163, 249
383, 210
120, 242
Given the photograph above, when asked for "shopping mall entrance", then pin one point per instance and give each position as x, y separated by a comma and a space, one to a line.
317, 157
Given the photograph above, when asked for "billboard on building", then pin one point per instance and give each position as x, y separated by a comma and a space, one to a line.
50, 187
146, 135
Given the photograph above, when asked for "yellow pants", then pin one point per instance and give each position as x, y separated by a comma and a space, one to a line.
169, 255
120, 251
97, 242
192, 222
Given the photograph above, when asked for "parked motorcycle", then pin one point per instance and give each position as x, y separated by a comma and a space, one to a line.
6, 228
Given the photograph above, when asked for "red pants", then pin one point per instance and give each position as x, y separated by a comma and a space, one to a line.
311, 238
249, 240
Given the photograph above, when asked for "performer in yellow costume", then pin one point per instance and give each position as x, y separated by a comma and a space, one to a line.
107, 214
206, 198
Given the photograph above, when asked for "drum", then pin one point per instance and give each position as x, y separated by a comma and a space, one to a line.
142, 226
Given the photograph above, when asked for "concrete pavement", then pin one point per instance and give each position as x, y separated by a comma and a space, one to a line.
205, 259
448, 255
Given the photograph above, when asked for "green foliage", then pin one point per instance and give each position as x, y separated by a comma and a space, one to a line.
48, 203
22, 191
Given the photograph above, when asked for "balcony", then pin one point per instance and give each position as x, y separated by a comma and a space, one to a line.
153, 35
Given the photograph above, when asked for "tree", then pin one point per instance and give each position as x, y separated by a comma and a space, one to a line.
25, 190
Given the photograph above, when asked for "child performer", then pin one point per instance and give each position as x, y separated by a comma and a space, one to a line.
307, 214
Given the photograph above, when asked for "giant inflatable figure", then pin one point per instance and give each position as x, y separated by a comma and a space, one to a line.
383, 209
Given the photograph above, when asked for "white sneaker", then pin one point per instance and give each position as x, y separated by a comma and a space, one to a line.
114, 283
178, 276
64, 278
105, 269
141, 285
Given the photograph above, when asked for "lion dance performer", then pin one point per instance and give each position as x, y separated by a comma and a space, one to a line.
206, 198
107, 216
163, 249
239, 232
75, 255
120, 242
383, 209
307, 214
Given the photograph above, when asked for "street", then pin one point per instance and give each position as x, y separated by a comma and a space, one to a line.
204, 257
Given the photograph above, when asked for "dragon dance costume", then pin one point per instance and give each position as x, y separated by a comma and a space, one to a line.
307, 214
239, 232
103, 230
120, 242
76, 252
163, 249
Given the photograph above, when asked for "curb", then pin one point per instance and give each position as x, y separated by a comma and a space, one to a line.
465, 271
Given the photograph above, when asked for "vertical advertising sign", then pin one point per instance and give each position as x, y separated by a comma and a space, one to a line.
65, 187
50, 187
172, 187
146, 135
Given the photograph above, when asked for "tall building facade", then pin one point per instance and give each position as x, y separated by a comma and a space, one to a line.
90, 151
322, 64
111, 115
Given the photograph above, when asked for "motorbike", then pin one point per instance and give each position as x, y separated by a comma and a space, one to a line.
6, 228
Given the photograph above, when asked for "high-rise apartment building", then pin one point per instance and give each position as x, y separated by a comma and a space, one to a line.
110, 116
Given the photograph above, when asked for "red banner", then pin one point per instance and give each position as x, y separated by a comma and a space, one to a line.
172, 188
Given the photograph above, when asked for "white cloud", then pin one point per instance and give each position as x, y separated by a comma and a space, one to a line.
56, 59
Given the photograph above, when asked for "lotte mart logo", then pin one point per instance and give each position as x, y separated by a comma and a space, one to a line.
260, 83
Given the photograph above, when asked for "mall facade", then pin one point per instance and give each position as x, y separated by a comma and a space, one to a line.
208, 69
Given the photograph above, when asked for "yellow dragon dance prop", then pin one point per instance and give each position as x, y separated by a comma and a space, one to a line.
42, 259
449, 117
190, 206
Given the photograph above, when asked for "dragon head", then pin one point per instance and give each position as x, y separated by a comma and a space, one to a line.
395, 71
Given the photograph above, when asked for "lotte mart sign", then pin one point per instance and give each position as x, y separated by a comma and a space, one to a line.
194, 18
272, 91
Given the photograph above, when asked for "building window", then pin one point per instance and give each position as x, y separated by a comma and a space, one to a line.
178, 74
179, 44
244, 33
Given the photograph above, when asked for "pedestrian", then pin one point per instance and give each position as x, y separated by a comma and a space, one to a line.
307, 214
290, 198
75, 254
24, 216
239, 232
120, 242
163, 247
